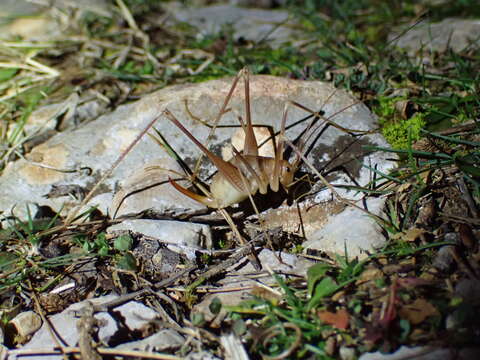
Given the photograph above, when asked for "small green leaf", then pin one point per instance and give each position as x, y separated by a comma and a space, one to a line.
405, 326
325, 288
215, 306
7, 73
101, 244
290, 296
103, 251
127, 262
123, 243
198, 319
239, 327
314, 274
87, 247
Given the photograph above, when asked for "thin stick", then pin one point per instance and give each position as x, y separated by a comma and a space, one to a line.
101, 351
252, 257
53, 332
127, 15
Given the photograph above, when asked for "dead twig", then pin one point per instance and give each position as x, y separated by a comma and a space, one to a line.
126, 298
101, 351
86, 328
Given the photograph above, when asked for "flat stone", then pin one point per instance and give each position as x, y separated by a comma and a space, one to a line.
469, 291
273, 26
163, 340
64, 324
32, 20
141, 186
457, 34
135, 315
352, 229
18, 8
26, 323
280, 262
201, 355
181, 237
444, 260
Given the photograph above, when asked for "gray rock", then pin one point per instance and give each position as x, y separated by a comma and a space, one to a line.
273, 26
174, 233
64, 324
32, 20
352, 229
28, 7
277, 261
452, 322
444, 260
97, 144
18, 8
201, 355
26, 324
159, 262
161, 341
136, 315
3, 352
72, 111
347, 353
433, 2
457, 34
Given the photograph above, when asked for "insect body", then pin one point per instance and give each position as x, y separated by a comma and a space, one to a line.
247, 172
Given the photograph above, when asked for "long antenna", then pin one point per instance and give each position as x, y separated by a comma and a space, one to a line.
87, 198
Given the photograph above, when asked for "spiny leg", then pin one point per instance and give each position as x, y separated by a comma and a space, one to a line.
219, 116
206, 200
251, 146
275, 183
228, 170
261, 222
262, 184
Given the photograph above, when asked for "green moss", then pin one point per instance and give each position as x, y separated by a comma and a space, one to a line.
385, 108
396, 131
